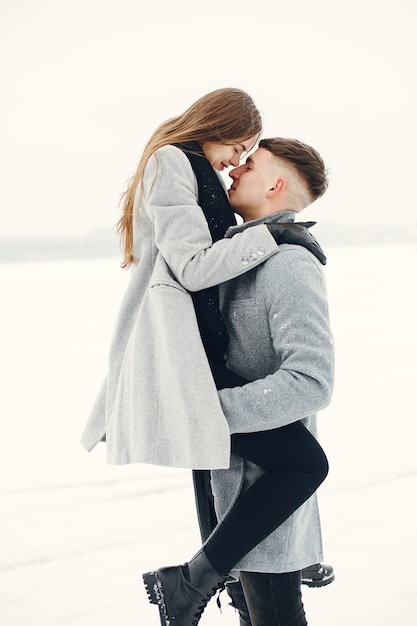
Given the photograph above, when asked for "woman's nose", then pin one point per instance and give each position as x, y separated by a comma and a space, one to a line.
235, 160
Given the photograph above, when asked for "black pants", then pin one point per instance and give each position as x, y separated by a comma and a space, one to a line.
295, 465
268, 599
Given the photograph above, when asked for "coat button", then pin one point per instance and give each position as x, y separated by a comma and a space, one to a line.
261, 251
253, 256
245, 260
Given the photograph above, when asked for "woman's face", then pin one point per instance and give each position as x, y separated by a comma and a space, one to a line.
221, 155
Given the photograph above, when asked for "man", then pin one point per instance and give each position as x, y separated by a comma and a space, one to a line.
278, 325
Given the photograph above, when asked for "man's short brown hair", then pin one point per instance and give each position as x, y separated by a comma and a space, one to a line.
304, 159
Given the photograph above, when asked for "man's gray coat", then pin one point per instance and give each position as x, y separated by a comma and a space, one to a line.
280, 338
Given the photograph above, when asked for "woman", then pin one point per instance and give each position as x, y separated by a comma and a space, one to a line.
175, 214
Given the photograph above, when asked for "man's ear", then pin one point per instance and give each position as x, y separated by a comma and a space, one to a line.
279, 186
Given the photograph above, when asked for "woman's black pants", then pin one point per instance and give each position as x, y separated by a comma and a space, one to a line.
295, 465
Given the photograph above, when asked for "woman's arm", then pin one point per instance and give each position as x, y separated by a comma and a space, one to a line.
181, 232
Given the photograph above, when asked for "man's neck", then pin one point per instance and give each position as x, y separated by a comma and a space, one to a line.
262, 213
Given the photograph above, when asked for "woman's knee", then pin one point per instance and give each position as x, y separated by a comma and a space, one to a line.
324, 467
319, 464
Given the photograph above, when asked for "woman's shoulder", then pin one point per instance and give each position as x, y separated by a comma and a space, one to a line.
169, 166
167, 159
169, 149
171, 153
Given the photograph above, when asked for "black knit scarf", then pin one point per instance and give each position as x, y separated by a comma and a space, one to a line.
213, 200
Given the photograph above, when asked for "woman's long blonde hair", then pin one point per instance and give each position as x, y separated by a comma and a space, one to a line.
223, 116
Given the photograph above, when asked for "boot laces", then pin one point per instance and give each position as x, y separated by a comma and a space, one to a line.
219, 587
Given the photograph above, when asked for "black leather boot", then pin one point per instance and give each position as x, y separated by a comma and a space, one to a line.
183, 591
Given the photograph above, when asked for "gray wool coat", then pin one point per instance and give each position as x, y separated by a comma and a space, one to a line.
158, 403
280, 339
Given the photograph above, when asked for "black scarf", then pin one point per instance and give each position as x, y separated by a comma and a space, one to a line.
214, 202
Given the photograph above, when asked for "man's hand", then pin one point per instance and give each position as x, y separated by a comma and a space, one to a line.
297, 233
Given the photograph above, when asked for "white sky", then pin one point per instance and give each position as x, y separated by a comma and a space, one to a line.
84, 83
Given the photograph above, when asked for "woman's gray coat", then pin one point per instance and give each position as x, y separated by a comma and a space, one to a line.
158, 403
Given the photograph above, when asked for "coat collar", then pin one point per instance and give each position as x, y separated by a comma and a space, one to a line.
280, 216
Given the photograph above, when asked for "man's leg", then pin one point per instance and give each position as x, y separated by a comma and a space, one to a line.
235, 591
273, 599
317, 575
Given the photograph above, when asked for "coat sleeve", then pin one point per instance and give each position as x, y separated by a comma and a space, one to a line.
296, 304
181, 232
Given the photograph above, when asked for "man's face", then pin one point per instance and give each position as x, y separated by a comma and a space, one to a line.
251, 183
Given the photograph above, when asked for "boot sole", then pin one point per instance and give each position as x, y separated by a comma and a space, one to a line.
318, 582
155, 593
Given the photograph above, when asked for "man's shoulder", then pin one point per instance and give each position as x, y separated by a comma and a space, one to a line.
292, 268
290, 257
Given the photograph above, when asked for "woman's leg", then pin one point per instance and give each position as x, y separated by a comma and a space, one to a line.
295, 465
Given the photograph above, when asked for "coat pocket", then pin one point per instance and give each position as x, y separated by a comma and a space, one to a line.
168, 284
238, 310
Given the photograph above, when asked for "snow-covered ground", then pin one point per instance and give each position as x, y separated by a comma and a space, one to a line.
75, 534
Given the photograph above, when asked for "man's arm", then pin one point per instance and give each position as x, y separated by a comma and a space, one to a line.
296, 301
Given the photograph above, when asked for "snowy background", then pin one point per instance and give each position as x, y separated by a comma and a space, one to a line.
76, 534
